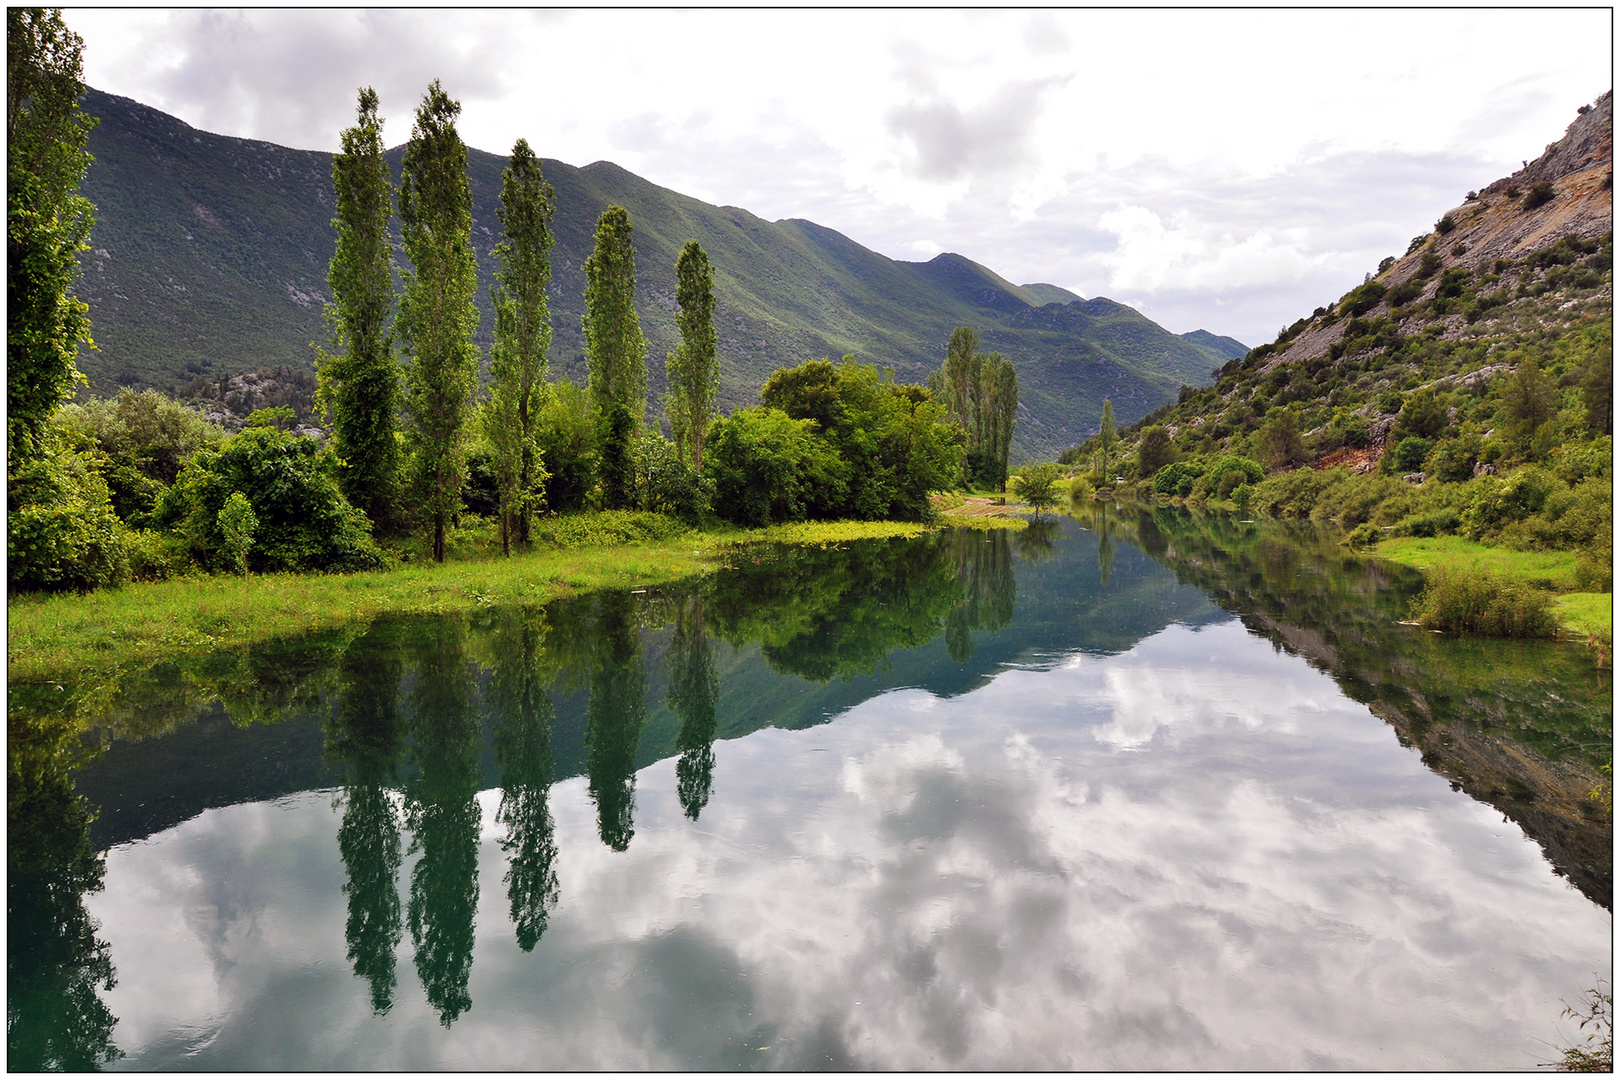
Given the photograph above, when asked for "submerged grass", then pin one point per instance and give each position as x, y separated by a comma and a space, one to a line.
50, 636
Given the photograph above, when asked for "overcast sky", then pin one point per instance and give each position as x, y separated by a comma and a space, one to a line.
1228, 170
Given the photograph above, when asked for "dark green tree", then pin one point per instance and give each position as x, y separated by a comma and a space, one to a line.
614, 349
694, 691
523, 715
1106, 436
615, 717
1037, 485
359, 380
1281, 443
366, 734
567, 440
1529, 400
437, 317
1000, 384
47, 223
441, 810
1155, 451
517, 365
693, 368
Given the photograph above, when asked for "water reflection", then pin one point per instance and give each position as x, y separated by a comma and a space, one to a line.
694, 691
946, 867
366, 733
441, 810
57, 965
522, 715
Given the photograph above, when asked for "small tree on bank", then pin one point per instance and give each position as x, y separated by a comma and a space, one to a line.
1106, 438
359, 382
522, 336
1036, 485
437, 315
615, 353
693, 368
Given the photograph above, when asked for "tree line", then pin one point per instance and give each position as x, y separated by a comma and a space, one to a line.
99, 492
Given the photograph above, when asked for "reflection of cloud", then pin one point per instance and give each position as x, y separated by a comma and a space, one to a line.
1271, 882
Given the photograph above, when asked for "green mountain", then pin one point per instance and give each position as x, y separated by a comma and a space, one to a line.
210, 254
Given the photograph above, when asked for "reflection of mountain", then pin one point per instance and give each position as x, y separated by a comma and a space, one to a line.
1519, 725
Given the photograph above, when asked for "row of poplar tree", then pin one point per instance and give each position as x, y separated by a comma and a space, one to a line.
427, 391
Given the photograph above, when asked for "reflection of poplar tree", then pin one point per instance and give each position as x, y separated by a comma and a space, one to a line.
1105, 548
984, 569
55, 963
523, 713
618, 710
441, 808
367, 733
694, 688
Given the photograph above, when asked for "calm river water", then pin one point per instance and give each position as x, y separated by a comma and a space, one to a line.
1132, 792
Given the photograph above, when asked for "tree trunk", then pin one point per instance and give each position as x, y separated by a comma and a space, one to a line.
438, 537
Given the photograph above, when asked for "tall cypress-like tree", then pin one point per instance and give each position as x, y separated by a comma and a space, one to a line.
437, 317
958, 377
615, 352
47, 223
359, 382
1105, 435
693, 368
522, 335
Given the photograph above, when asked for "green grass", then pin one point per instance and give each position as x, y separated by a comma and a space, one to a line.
1587, 614
115, 629
1544, 569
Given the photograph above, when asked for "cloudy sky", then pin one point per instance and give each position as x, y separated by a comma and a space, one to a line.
1228, 170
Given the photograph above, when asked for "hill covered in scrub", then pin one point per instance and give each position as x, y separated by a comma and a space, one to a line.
210, 254
1464, 388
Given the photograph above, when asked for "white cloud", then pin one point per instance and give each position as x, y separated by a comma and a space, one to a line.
1003, 135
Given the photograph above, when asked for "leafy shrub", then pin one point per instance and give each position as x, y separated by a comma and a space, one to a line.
1177, 479
155, 555
304, 522
1362, 299
1408, 455
1445, 225
1480, 602
61, 532
567, 441
1430, 263
667, 485
1442, 522
1450, 460
1501, 501
768, 467
1540, 194
1406, 292
146, 438
1155, 451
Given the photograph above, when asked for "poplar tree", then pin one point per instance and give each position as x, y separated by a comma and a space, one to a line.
693, 368
359, 382
47, 223
615, 352
437, 318
1105, 435
958, 377
522, 335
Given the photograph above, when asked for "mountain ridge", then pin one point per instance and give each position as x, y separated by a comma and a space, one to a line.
210, 253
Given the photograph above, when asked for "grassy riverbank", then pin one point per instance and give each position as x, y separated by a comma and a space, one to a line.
51, 636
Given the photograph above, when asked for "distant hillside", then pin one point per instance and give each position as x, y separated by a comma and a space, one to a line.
1523, 267
210, 255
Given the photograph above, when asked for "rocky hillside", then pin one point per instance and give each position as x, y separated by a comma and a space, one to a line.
210, 255
1520, 269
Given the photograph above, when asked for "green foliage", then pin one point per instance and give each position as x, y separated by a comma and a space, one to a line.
359, 379
1529, 400
809, 391
1361, 299
1155, 451
605, 528
522, 335
1036, 485
437, 318
1106, 438
1423, 414
616, 467
1445, 225
693, 368
665, 484
1539, 195
304, 522
1480, 602
61, 532
1177, 478
145, 438
1408, 455
1280, 440
237, 524
614, 347
566, 438
47, 224
979, 392
768, 467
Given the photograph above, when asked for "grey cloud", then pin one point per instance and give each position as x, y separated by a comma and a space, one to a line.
951, 142
290, 76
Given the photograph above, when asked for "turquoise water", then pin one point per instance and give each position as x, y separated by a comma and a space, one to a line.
976, 801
